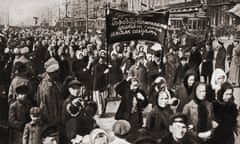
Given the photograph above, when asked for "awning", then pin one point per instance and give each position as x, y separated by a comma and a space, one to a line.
235, 10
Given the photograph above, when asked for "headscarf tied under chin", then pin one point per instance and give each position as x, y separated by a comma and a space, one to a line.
159, 81
215, 75
202, 110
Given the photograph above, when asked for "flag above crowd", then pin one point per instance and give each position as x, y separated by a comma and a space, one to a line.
126, 26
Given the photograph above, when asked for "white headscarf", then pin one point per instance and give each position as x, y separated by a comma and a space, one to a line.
217, 73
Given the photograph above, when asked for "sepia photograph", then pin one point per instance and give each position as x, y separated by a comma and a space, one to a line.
119, 71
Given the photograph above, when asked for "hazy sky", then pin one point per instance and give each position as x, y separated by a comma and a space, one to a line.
24, 10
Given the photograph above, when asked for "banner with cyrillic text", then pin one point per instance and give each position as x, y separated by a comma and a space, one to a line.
127, 26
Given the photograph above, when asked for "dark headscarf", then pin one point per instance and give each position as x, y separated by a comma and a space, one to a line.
202, 110
185, 81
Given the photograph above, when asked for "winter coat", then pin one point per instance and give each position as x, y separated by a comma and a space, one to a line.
179, 74
50, 99
183, 93
226, 117
100, 79
158, 121
125, 108
32, 133
115, 74
78, 67
18, 117
16, 82
77, 123
191, 110
141, 74
126, 64
153, 71
207, 65
220, 58
170, 68
195, 60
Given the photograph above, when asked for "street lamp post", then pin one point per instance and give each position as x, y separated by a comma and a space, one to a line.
86, 16
66, 8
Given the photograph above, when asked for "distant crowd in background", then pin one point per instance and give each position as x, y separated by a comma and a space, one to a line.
54, 84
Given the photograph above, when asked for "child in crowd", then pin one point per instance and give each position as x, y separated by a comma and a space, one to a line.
32, 130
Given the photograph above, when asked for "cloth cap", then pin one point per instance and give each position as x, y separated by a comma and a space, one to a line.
23, 89
178, 117
121, 128
74, 83
51, 65
35, 111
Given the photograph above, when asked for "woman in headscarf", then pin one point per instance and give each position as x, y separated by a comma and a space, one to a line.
158, 119
183, 93
100, 136
200, 114
158, 85
218, 78
225, 111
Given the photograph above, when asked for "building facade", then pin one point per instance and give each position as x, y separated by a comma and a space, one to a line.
222, 21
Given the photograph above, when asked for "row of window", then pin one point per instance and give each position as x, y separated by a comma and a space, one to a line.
198, 24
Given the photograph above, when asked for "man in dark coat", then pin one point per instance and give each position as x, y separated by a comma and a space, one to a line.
195, 59
139, 71
220, 56
132, 103
180, 72
154, 68
207, 65
19, 115
50, 94
100, 82
20, 78
74, 115
178, 131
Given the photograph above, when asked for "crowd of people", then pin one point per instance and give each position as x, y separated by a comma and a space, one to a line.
54, 84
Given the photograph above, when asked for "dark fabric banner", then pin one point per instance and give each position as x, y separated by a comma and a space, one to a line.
127, 26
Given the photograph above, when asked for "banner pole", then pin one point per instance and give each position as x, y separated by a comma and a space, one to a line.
164, 45
107, 47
